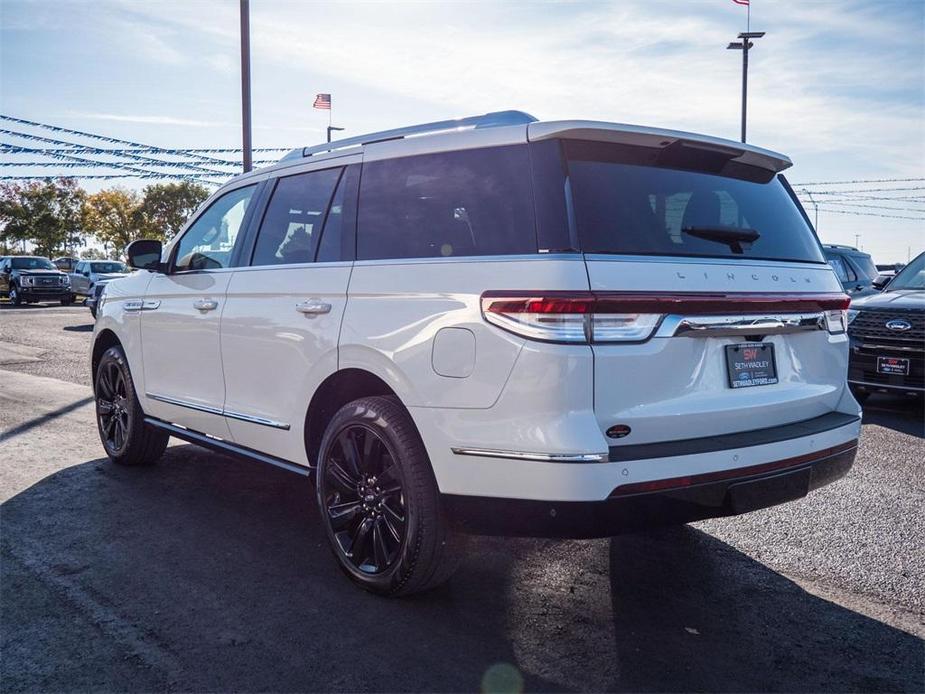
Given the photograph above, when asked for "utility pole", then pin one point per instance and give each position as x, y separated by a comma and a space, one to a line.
246, 85
815, 208
744, 45
857, 240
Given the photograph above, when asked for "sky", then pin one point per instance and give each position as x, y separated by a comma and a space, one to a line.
837, 86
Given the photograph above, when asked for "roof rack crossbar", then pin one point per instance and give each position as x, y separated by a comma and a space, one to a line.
486, 120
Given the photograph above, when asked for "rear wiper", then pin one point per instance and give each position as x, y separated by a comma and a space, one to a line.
734, 237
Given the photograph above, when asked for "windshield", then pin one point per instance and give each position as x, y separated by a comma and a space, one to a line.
632, 208
105, 268
31, 263
910, 277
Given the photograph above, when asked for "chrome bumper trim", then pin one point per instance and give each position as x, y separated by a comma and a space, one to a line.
538, 457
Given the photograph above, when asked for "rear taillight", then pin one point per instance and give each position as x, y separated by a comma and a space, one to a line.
583, 317
573, 317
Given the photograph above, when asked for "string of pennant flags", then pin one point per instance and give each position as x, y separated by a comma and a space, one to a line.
113, 158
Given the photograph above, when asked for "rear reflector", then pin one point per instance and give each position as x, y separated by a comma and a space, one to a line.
582, 317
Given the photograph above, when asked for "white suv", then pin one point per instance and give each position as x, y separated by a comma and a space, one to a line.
492, 325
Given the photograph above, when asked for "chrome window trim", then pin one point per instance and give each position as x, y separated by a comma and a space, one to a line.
471, 259
538, 457
263, 421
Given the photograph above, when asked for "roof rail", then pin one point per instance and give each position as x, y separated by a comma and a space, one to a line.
486, 120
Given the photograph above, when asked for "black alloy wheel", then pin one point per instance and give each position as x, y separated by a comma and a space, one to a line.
364, 499
112, 407
125, 435
379, 501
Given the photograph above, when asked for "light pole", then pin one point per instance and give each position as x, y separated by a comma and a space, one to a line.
744, 45
246, 85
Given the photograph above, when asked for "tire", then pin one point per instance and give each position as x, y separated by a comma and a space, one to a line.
119, 418
405, 542
15, 297
68, 300
859, 395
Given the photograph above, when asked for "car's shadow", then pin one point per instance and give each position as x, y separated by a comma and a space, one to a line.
86, 328
206, 573
901, 413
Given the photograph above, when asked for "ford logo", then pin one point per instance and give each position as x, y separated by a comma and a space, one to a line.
899, 325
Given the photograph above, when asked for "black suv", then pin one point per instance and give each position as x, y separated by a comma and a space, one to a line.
29, 278
855, 269
887, 333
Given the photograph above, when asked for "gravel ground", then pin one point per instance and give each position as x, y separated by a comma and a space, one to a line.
207, 573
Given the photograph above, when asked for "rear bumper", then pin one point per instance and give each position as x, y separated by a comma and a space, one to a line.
692, 498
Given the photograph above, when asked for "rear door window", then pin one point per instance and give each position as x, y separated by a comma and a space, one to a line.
841, 269
625, 207
464, 203
292, 224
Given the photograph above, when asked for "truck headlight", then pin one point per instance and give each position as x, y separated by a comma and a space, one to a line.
27, 281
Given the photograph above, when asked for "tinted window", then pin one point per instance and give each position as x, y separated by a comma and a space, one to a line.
865, 266
32, 263
292, 223
474, 202
108, 267
839, 266
912, 276
208, 243
336, 242
657, 210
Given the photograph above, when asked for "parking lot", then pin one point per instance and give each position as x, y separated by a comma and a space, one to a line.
207, 573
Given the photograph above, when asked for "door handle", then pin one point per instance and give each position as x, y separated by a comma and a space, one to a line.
205, 305
313, 307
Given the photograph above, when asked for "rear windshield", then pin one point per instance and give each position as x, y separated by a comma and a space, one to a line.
106, 268
629, 208
28, 263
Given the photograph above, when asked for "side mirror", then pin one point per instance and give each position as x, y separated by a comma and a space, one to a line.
144, 254
880, 283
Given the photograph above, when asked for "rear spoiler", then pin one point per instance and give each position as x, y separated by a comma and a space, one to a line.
641, 136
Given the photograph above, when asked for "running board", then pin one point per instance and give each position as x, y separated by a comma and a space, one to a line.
222, 446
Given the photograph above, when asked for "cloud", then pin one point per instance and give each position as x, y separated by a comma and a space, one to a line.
149, 119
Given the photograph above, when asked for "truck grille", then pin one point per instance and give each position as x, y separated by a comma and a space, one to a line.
871, 325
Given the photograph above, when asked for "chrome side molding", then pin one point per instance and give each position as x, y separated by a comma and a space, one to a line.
221, 412
718, 326
538, 457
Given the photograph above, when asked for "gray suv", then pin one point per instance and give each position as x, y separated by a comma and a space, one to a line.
855, 269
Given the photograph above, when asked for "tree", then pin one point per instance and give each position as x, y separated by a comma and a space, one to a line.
113, 216
45, 213
165, 207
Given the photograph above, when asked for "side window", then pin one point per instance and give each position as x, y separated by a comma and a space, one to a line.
208, 243
839, 266
292, 223
465, 203
336, 241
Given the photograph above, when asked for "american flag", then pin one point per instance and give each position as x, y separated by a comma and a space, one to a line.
741, 2
323, 101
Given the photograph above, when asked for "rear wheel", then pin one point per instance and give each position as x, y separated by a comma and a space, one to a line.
125, 436
379, 502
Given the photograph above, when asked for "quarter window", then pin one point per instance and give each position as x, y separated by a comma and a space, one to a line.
464, 203
209, 242
292, 223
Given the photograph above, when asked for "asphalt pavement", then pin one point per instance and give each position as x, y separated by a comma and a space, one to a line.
209, 573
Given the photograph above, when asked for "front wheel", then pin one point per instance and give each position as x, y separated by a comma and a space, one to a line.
15, 296
120, 420
68, 300
379, 501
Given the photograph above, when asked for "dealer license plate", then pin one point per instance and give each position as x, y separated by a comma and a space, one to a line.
751, 364
893, 365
